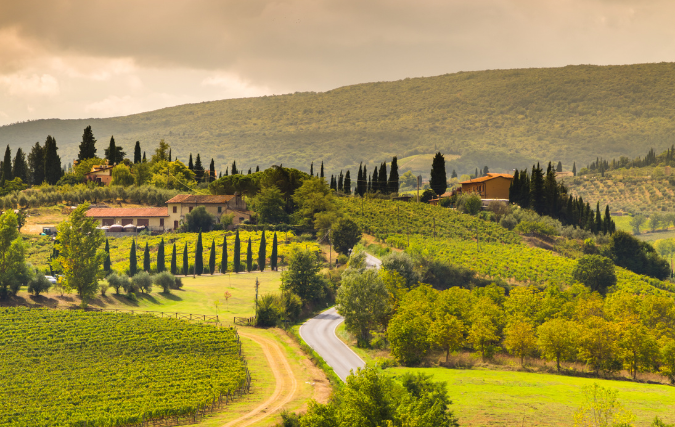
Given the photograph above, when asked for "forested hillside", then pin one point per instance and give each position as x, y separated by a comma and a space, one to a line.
503, 119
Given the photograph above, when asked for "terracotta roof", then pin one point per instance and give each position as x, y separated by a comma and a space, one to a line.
488, 177
127, 212
199, 199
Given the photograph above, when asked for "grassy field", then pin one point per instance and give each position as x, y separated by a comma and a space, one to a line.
198, 296
502, 398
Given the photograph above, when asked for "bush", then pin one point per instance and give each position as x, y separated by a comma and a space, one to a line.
177, 283
164, 280
119, 281
509, 222
38, 284
199, 220
292, 306
103, 287
142, 281
530, 227
268, 310
469, 203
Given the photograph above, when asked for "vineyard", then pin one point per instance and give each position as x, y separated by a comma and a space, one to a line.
519, 263
39, 248
76, 368
382, 218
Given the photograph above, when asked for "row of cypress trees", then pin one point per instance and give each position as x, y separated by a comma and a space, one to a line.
546, 196
378, 182
199, 257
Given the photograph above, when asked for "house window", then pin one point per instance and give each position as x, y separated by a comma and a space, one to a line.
220, 209
175, 225
175, 209
190, 209
161, 222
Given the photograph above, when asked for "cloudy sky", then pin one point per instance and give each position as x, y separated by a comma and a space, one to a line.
95, 58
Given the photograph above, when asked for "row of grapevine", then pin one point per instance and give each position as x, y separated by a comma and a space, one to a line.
108, 369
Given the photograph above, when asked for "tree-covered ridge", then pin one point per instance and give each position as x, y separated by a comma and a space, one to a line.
500, 118
383, 218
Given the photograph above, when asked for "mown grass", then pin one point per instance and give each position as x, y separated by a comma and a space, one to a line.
501, 398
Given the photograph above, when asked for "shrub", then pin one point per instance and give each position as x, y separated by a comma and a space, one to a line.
117, 281
199, 220
470, 203
509, 222
38, 284
164, 280
142, 281
292, 306
531, 227
177, 283
103, 287
268, 310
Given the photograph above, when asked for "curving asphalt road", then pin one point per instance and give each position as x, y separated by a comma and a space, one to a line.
319, 333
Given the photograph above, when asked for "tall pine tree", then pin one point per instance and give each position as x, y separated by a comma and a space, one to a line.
393, 176
311, 169
191, 165
273, 255
53, 170
174, 262
146, 258
234, 168
383, 186
133, 260
185, 260
212, 257
347, 184
7, 166
88, 145
114, 153
574, 169
359, 181
439, 179
20, 169
262, 252
321, 169
237, 252
137, 153
537, 193
340, 182
212, 171
375, 183
106, 261
223, 258
36, 164
199, 255
161, 265
199, 169
249, 256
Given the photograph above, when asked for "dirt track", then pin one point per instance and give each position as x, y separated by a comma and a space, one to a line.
284, 390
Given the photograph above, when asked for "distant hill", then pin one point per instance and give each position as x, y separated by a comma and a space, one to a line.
502, 119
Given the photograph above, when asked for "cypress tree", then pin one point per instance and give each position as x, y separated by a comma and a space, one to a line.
212, 171
383, 178
607, 222
537, 196
598, 218
249, 171
111, 152
88, 145
475, 174
133, 260
161, 264
234, 168
262, 252
237, 252
249, 256
559, 167
393, 176
106, 262
340, 184
36, 164
524, 189
227, 171
257, 168
212, 257
137, 153
7, 166
348, 184
146, 258
333, 183
174, 264
574, 169
20, 169
439, 179
375, 183
311, 169
321, 169
273, 256
365, 185
514, 188
191, 165
369, 189
223, 259
359, 181
199, 255
551, 192
170, 157
199, 169
185, 260
454, 174
144, 158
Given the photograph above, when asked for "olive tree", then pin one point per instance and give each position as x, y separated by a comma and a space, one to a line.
363, 300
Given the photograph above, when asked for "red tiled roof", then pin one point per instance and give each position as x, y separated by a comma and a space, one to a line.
127, 212
488, 177
199, 199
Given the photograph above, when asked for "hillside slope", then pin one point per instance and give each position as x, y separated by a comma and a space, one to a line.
503, 119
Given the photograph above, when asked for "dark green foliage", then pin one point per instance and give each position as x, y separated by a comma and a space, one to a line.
199, 169
223, 259
559, 167
574, 168
142, 281
235, 171
114, 153
359, 182
146, 258
106, 262
174, 265
340, 183
596, 272
537, 195
268, 311
137, 153
237, 253
303, 276
144, 158
427, 195
38, 284
383, 186
273, 255
133, 260
439, 179
345, 234
347, 184
262, 255
311, 169
36, 164
393, 176
164, 280
7, 166
637, 256
249, 256
212, 171
116, 281
321, 175
20, 169
53, 170
161, 264
88, 145
186, 265
212, 257
199, 255
199, 220
375, 181
191, 165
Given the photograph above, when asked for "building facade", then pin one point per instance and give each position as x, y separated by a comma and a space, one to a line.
155, 219
183, 204
491, 186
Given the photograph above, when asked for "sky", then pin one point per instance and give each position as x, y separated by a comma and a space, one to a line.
94, 58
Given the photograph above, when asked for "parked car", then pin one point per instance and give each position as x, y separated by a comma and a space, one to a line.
51, 279
48, 231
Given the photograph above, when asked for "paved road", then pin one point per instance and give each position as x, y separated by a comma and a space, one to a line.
319, 333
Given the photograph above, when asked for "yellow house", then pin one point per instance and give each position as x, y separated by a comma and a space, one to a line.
101, 174
153, 218
491, 186
183, 204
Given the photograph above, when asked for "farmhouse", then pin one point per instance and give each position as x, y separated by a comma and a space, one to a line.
100, 173
170, 217
491, 186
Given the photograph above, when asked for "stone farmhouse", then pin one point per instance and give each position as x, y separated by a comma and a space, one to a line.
170, 217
